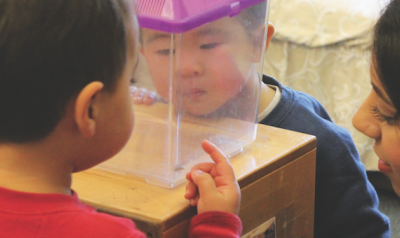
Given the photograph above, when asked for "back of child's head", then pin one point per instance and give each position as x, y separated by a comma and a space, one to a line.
49, 51
386, 51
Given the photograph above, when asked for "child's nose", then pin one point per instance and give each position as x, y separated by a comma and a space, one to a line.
189, 65
366, 122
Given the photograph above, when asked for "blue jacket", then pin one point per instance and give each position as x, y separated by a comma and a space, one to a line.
346, 204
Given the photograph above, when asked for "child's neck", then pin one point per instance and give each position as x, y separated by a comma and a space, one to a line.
266, 96
34, 168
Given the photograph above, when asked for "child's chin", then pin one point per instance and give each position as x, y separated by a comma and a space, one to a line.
396, 187
195, 111
203, 113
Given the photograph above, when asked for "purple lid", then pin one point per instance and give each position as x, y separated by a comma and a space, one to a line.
177, 16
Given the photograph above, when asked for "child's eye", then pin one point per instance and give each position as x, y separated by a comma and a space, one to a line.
133, 80
165, 52
383, 118
209, 46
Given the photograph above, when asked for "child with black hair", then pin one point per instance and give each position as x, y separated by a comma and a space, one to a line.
346, 204
379, 116
65, 70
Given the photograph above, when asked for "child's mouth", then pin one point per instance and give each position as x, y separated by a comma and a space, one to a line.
194, 93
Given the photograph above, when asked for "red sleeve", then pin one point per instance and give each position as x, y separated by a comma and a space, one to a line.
215, 224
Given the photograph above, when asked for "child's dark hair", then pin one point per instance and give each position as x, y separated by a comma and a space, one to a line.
386, 51
49, 51
253, 17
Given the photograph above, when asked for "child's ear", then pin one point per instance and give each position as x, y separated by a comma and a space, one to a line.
270, 33
257, 51
86, 108
257, 41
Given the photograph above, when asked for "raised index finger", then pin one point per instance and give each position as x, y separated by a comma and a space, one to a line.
216, 155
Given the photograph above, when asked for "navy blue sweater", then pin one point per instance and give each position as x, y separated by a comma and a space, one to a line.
346, 204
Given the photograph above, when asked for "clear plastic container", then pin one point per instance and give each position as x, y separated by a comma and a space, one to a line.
204, 61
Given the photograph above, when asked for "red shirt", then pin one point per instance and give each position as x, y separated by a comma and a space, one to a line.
215, 224
30, 215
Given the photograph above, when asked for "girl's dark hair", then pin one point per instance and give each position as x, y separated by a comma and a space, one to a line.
49, 51
386, 51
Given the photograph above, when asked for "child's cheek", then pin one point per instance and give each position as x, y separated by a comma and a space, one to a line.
160, 81
228, 76
162, 88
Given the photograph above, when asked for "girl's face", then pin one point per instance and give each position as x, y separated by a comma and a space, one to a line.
376, 118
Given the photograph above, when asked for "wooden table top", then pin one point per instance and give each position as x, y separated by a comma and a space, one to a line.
132, 197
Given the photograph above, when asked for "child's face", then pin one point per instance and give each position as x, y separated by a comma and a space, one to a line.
376, 119
211, 64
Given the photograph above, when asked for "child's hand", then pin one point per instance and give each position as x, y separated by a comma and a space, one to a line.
213, 187
142, 96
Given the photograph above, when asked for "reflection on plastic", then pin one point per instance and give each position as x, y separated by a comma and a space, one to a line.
207, 84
